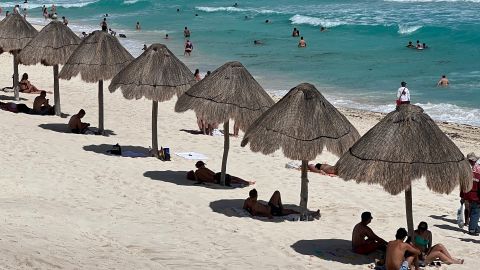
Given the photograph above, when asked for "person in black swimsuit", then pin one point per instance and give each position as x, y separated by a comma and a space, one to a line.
274, 207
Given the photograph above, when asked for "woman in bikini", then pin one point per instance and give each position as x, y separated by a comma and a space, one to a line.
27, 87
423, 241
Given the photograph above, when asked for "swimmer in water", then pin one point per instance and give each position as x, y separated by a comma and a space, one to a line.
166, 36
267, 21
295, 32
186, 32
410, 45
443, 82
323, 29
302, 43
138, 27
257, 42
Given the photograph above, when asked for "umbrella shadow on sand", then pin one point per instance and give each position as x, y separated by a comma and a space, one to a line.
3, 97
180, 178
127, 150
234, 208
444, 218
63, 128
335, 250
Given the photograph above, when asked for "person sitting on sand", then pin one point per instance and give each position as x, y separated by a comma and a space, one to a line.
364, 240
41, 106
274, 207
204, 174
302, 43
26, 86
422, 239
443, 81
322, 168
396, 257
75, 124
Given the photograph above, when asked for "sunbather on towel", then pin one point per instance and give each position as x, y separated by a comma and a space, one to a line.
274, 207
322, 168
14, 107
203, 174
75, 124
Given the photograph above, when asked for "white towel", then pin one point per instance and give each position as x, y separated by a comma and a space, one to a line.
192, 155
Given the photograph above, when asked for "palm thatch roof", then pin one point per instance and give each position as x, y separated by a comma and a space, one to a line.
52, 46
15, 33
157, 75
302, 123
230, 92
100, 56
402, 147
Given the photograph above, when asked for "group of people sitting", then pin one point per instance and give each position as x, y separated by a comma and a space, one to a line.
402, 253
41, 106
418, 46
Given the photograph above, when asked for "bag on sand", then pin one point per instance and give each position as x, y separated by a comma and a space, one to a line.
116, 150
460, 221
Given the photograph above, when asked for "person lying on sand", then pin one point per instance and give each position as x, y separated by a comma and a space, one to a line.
274, 207
75, 124
322, 168
26, 86
203, 174
422, 240
41, 105
396, 258
14, 107
364, 240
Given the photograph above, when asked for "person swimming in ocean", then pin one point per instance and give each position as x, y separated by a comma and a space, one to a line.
295, 32
267, 21
410, 45
138, 27
257, 42
302, 43
235, 5
166, 36
323, 29
443, 82
186, 32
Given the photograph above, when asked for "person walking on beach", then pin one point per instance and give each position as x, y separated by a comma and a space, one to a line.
403, 94
104, 25
186, 32
364, 240
188, 48
443, 81
302, 43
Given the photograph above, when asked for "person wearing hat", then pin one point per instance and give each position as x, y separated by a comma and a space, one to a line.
364, 240
403, 94
204, 174
422, 239
472, 198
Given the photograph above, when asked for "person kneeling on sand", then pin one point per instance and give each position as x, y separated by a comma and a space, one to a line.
274, 207
75, 124
364, 240
396, 258
322, 168
41, 106
423, 241
204, 174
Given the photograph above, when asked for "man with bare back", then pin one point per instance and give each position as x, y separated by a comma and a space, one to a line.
396, 258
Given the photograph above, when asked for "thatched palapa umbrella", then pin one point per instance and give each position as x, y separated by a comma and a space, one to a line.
15, 33
99, 57
406, 145
230, 92
157, 74
51, 47
302, 123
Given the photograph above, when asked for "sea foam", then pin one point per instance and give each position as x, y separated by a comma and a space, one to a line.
408, 29
301, 19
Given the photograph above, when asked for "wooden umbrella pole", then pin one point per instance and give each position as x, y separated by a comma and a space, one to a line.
100, 107
226, 146
15, 76
154, 128
304, 187
408, 207
56, 91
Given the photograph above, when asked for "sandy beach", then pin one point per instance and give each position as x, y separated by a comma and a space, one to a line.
66, 204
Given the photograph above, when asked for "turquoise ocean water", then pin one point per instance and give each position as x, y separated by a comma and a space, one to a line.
359, 62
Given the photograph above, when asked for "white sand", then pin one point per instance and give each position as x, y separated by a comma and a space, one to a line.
63, 207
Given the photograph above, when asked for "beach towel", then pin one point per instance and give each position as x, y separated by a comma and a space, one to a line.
133, 154
240, 212
192, 155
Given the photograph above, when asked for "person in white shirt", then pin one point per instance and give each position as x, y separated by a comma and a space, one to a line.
403, 94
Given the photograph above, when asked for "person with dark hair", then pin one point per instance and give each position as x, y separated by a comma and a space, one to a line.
302, 43
364, 240
322, 168
295, 32
204, 174
186, 32
443, 81
410, 45
403, 94
64, 20
41, 105
75, 124
104, 25
396, 253
188, 48
274, 207
196, 75
26, 86
422, 239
